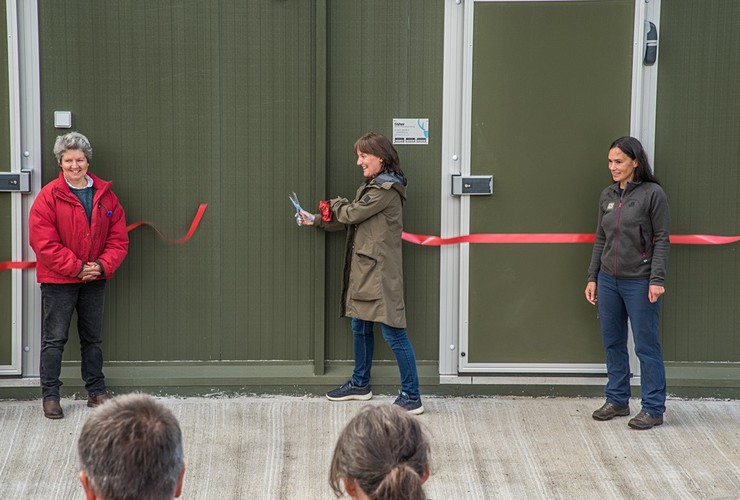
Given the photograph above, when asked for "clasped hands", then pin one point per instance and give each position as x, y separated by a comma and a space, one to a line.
90, 271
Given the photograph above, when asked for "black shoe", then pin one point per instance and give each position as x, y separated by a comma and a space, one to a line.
644, 420
609, 411
348, 392
409, 404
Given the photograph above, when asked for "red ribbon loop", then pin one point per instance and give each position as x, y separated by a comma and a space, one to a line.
190, 233
4, 266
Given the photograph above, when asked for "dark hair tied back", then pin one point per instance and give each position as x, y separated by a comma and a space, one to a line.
377, 144
633, 149
402, 482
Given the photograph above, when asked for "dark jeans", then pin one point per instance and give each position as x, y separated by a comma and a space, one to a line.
58, 302
620, 300
399, 343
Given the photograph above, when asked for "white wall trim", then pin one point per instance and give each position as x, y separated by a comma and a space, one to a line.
521, 380
449, 286
30, 155
649, 85
16, 226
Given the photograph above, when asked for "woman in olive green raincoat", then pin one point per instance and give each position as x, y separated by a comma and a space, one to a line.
373, 268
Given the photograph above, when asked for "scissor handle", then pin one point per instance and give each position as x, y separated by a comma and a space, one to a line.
298, 209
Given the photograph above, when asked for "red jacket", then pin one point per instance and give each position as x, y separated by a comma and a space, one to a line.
64, 241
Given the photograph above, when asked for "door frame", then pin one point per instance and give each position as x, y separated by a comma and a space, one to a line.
16, 229
455, 210
25, 147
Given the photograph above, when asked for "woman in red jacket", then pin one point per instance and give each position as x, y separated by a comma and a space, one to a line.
78, 230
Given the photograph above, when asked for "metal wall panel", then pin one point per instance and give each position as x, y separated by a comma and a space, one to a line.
385, 61
526, 303
696, 158
189, 102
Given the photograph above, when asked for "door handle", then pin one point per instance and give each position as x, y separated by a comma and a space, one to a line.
15, 182
651, 44
472, 185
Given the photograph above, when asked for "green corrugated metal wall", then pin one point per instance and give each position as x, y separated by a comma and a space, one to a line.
184, 103
696, 158
385, 61
236, 103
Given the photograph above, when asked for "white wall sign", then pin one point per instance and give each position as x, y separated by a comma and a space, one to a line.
411, 131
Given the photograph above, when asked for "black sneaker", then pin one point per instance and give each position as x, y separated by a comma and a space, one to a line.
348, 392
644, 420
609, 410
409, 404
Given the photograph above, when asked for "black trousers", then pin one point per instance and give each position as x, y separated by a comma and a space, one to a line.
58, 302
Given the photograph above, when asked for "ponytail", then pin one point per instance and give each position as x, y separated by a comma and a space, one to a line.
382, 451
401, 483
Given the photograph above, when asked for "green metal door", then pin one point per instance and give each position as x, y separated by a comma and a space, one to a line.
551, 88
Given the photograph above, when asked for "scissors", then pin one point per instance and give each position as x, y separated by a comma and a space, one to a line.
298, 209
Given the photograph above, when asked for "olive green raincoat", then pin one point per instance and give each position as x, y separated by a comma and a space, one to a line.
373, 265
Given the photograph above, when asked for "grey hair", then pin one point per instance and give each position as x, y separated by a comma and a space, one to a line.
131, 449
72, 140
384, 451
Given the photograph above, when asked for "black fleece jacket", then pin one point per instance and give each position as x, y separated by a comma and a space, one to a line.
632, 235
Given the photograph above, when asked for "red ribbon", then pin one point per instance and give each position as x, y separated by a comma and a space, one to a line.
4, 266
193, 227
190, 233
435, 241
702, 239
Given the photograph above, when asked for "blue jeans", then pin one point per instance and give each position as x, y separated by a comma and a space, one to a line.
398, 341
619, 300
58, 302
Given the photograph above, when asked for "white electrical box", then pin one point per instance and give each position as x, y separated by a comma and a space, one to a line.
62, 119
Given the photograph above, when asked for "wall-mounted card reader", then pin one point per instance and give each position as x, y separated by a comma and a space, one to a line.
472, 185
15, 182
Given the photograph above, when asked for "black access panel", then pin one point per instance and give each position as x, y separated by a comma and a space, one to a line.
15, 182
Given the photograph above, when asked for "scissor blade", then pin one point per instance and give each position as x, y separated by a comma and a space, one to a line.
294, 200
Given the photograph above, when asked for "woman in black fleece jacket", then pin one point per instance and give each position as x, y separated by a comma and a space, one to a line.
627, 274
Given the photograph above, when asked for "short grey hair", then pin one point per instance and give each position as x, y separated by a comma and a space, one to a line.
72, 140
131, 449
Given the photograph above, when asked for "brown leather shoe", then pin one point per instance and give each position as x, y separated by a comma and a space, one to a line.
52, 409
93, 401
609, 411
644, 420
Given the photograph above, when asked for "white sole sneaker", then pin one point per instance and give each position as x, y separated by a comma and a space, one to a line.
351, 397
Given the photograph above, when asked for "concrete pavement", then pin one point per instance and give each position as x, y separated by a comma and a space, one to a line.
279, 447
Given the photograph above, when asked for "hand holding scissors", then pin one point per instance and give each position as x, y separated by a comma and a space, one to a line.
301, 216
